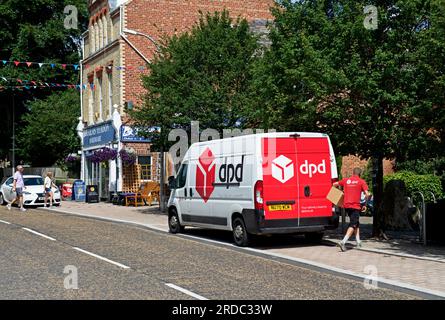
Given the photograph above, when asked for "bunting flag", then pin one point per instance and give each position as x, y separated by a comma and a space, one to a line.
29, 64
35, 84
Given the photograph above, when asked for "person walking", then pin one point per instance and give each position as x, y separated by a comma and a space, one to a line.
48, 185
353, 188
18, 186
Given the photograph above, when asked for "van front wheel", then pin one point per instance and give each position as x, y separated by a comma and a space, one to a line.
174, 225
240, 235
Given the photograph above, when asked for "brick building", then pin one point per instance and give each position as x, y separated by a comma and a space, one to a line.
120, 42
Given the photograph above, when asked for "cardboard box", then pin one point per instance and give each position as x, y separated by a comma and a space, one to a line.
336, 196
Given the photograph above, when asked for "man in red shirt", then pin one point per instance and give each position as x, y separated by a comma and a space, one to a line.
353, 188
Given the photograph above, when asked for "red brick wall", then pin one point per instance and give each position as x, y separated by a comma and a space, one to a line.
159, 17
351, 162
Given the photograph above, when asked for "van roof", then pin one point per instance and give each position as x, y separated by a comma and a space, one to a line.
265, 135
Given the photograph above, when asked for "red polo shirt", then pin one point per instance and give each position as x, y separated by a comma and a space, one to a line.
353, 188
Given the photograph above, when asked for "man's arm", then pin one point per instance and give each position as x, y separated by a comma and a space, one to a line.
14, 185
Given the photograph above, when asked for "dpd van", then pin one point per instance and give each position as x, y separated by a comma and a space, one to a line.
256, 184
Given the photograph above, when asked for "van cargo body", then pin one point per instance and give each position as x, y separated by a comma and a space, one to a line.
256, 184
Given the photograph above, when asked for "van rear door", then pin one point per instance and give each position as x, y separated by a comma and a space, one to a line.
296, 178
314, 177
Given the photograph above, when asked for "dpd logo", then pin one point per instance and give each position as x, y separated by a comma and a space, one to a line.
205, 174
311, 169
282, 169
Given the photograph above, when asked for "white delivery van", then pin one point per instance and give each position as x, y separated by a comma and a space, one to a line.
256, 184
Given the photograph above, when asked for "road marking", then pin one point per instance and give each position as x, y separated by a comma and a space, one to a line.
39, 234
102, 258
393, 283
5, 222
187, 292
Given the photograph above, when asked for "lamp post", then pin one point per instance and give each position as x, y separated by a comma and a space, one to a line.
137, 33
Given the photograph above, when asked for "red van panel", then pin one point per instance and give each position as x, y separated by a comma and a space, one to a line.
296, 178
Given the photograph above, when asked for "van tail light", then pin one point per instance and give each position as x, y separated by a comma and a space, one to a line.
258, 195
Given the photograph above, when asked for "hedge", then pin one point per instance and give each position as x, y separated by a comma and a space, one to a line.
417, 182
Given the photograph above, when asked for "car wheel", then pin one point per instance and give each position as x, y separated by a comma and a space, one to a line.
314, 237
2, 200
174, 225
240, 235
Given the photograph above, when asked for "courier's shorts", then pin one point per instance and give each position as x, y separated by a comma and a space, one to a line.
354, 218
19, 191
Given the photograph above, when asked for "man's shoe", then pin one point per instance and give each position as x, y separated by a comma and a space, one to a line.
359, 245
342, 246
8, 206
22, 209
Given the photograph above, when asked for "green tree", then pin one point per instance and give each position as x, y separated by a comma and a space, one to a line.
34, 31
372, 89
202, 75
49, 132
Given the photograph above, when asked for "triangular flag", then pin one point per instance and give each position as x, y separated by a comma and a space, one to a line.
33, 82
20, 81
63, 66
4, 61
40, 65
16, 63
4, 79
52, 65
29, 64
76, 67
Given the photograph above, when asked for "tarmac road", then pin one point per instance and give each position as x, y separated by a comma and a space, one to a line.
117, 261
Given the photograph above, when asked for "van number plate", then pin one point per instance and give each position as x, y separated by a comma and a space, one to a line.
280, 207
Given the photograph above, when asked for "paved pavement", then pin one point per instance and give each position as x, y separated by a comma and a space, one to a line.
408, 264
121, 261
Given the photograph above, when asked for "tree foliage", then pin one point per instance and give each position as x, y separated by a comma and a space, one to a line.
378, 92
202, 75
49, 131
34, 31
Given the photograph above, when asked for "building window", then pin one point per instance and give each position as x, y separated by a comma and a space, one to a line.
101, 34
105, 26
145, 163
91, 103
92, 39
110, 94
96, 36
101, 110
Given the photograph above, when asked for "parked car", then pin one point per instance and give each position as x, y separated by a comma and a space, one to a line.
256, 184
33, 195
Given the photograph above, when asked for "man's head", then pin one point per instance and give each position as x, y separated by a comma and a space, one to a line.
357, 172
20, 169
49, 174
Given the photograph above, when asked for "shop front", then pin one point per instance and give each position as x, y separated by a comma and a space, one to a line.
99, 155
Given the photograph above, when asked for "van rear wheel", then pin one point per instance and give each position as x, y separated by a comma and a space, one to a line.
174, 225
240, 235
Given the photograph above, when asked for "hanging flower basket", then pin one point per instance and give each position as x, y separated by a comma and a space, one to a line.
128, 158
103, 155
72, 158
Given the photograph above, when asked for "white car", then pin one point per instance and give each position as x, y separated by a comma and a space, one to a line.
33, 195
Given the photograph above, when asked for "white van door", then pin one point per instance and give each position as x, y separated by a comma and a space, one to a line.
182, 179
200, 188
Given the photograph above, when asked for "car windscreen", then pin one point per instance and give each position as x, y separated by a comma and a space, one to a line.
33, 181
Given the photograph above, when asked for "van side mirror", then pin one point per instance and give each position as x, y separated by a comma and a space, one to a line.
172, 182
